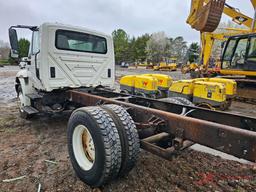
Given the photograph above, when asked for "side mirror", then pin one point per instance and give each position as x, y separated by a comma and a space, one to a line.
14, 43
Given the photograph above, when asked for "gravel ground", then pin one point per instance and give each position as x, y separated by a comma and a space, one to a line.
26, 145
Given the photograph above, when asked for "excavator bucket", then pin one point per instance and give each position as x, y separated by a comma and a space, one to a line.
205, 15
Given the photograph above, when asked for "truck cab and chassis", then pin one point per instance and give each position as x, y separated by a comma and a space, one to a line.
73, 69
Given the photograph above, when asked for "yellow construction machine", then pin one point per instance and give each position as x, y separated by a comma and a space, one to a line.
205, 15
146, 85
170, 64
140, 85
238, 60
208, 40
209, 92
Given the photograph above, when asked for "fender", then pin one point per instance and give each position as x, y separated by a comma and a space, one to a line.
29, 80
23, 73
21, 78
23, 82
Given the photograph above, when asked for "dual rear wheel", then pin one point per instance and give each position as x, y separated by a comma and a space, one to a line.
103, 143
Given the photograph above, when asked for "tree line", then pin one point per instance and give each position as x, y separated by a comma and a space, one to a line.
152, 48
5, 53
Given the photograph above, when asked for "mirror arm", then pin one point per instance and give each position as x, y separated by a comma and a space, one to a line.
32, 28
37, 71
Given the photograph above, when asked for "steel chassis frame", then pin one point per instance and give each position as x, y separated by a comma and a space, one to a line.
165, 128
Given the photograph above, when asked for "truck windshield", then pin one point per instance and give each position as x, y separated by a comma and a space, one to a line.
82, 42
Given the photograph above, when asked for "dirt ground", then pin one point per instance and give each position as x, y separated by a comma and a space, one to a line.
37, 150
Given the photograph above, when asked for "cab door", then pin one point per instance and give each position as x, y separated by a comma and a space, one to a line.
34, 64
33, 55
250, 64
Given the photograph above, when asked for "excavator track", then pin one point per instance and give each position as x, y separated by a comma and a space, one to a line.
208, 15
246, 90
245, 100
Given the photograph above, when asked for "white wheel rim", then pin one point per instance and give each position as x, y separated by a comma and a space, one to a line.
83, 147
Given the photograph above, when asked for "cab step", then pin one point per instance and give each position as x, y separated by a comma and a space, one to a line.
30, 110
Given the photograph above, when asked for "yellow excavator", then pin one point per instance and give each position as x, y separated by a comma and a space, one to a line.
208, 40
238, 60
205, 15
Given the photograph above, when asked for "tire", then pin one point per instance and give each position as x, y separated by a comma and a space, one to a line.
159, 94
23, 114
125, 92
128, 135
184, 101
152, 96
171, 100
140, 94
99, 163
229, 103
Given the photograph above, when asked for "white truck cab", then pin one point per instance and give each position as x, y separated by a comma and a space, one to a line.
62, 57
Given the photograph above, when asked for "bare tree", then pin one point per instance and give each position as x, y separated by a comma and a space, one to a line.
178, 48
4, 50
158, 47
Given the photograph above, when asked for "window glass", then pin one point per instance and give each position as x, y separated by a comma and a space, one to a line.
35, 42
229, 50
252, 49
76, 41
239, 54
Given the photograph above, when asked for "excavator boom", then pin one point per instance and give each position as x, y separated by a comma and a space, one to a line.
253, 3
205, 15
237, 16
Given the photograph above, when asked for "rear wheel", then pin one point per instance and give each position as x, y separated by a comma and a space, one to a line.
125, 91
140, 94
171, 100
184, 101
128, 135
94, 146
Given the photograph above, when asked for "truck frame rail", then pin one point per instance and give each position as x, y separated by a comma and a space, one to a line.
166, 128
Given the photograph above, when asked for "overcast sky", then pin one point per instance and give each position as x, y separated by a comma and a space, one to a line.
134, 16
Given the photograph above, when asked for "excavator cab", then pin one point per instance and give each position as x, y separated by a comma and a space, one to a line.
240, 54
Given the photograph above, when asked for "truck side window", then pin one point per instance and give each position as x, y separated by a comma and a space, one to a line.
82, 42
228, 53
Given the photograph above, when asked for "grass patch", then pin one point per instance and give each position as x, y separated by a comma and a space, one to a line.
4, 62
